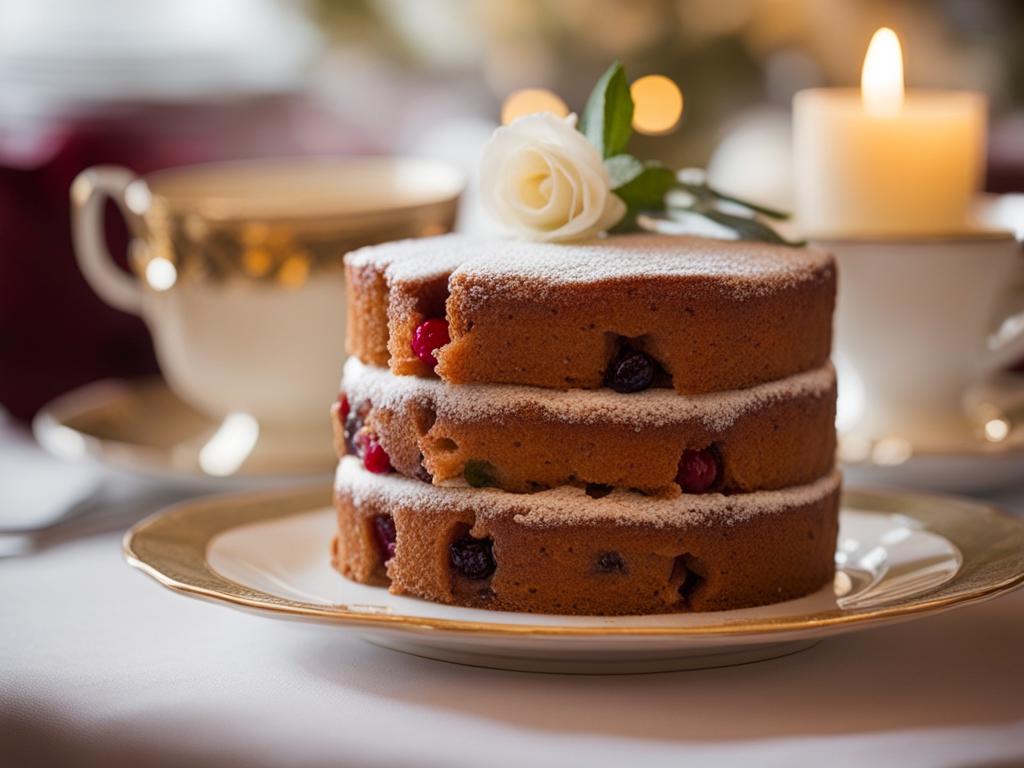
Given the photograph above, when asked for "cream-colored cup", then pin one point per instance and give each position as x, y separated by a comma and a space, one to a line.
237, 268
918, 321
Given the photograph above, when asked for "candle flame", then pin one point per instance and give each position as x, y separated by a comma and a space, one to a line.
881, 80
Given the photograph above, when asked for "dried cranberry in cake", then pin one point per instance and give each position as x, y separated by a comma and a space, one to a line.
343, 406
422, 473
359, 442
610, 562
693, 579
428, 337
630, 371
698, 471
375, 458
353, 426
385, 536
471, 557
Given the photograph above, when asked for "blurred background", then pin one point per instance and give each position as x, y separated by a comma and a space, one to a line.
157, 83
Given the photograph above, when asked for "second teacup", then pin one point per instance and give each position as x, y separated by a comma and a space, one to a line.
917, 322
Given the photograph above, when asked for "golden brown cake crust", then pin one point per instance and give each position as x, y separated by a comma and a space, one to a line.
719, 553
772, 436
366, 309
715, 315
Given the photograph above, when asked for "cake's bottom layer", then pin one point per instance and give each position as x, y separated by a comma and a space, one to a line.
747, 553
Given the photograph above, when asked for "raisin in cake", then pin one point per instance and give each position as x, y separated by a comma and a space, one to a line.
634, 424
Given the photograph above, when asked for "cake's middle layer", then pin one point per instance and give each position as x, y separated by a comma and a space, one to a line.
524, 439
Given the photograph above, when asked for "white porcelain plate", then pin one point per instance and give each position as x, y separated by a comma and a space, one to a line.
898, 556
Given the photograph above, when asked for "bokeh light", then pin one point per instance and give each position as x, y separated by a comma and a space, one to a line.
658, 105
530, 100
892, 451
294, 270
257, 261
997, 430
161, 274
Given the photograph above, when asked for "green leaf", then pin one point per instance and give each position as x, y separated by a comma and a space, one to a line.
607, 120
641, 185
623, 169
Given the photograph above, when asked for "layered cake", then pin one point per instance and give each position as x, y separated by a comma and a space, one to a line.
631, 424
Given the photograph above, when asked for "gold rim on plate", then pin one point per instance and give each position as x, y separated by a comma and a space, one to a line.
171, 547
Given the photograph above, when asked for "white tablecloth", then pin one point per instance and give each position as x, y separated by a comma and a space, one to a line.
100, 666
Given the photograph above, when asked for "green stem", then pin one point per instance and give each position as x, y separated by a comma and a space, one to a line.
702, 190
746, 228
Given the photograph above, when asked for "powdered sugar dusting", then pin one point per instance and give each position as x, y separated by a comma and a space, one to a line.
742, 268
414, 259
572, 506
652, 408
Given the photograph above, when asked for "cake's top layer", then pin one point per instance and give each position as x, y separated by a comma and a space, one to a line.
652, 408
523, 266
711, 315
572, 506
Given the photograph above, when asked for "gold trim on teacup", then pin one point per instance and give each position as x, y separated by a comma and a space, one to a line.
171, 547
184, 234
285, 253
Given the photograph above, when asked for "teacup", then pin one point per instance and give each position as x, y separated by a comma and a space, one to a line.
238, 268
918, 321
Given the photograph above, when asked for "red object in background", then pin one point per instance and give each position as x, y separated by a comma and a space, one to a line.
55, 333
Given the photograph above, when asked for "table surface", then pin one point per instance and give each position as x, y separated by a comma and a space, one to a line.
101, 666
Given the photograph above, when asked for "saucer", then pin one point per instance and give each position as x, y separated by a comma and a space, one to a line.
973, 467
989, 457
141, 427
899, 556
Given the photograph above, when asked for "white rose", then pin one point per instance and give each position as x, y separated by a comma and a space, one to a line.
543, 180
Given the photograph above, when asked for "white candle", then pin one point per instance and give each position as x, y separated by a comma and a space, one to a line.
881, 162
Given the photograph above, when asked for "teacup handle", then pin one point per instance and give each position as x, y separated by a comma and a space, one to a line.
1005, 346
89, 192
